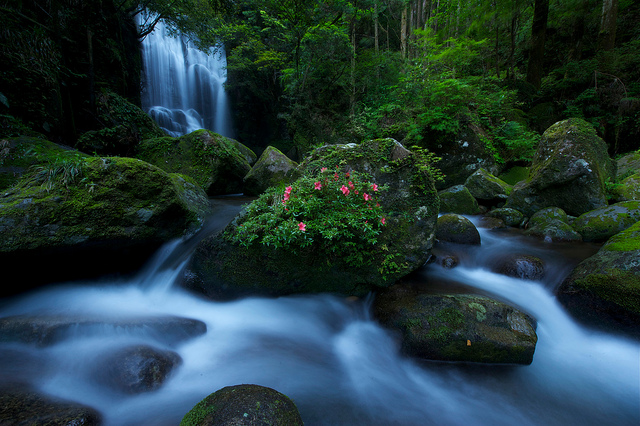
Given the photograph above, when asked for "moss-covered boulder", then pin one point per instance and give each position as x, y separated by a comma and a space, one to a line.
212, 160
459, 200
136, 369
551, 224
454, 228
273, 168
627, 165
486, 188
604, 290
23, 406
603, 223
510, 217
457, 327
248, 405
18, 154
100, 214
361, 217
125, 125
462, 155
569, 171
628, 189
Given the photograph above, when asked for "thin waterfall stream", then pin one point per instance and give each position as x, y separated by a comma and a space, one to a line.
325, 352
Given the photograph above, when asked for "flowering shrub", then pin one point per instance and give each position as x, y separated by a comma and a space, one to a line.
336, 214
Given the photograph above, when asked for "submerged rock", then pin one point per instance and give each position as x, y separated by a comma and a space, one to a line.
212, 160
523, 266
603, 223
459, 200
454, 228
46, 330
137, 369
273, 168
457, 327
604, 289
23, 406
568, 171
93, 216
319, 240
248, 405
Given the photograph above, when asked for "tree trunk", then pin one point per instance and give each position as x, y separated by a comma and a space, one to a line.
607, 35
376, 33
403, 32
538, 36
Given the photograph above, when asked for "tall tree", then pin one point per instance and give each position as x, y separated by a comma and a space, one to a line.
538, 38
607, 35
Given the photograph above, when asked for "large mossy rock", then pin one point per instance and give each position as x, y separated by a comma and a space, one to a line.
459, 200
551, 224
457, 327
603, 223
212, 160
486, 188
249, 405
454, 228
628, 165
510, 217
125, 125
93, 214
604, 289
23, 406
462, 155
273, 168
318, 241
569, 171
628, 189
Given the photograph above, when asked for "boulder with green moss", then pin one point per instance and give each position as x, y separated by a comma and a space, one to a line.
603, 223
627, 165
569, 171
212, 160
244, 405
510, 217
457, 327
361, 217
604, 290
628, 189
459, 200
454, 228
125, 125
551, 224
486, 188
105, 214
273, 168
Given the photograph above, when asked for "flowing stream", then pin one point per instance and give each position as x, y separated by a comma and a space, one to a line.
184, 86
327, 353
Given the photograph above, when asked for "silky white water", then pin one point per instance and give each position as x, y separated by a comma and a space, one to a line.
183, 87
337, 364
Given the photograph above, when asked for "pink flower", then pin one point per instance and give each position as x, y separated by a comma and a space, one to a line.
324, 169
350, 184
347, 175
344, 190
302, 226
336, 176
374, 186
366, 196
318, 186
383, 220
288, 190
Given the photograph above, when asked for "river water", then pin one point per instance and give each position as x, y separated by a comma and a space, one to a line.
327, 353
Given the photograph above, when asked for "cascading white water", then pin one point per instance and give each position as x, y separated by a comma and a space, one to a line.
337, 364
183, 87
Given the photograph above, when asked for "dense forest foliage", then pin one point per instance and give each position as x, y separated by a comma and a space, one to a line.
307, 72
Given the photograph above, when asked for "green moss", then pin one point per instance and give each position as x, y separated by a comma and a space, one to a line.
515, 175
619, 287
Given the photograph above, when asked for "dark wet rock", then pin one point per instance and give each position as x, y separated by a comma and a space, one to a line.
457, 327
550, 224
486, 188
222, 268
137, 369
522, 266
273, 168
459, 200
603, 223
48, 330
569, 171
511, 217
24, 406
491, 223
604, 289
454, 228
249, 405
447, 261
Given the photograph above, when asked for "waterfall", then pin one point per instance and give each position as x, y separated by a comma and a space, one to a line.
183, 87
